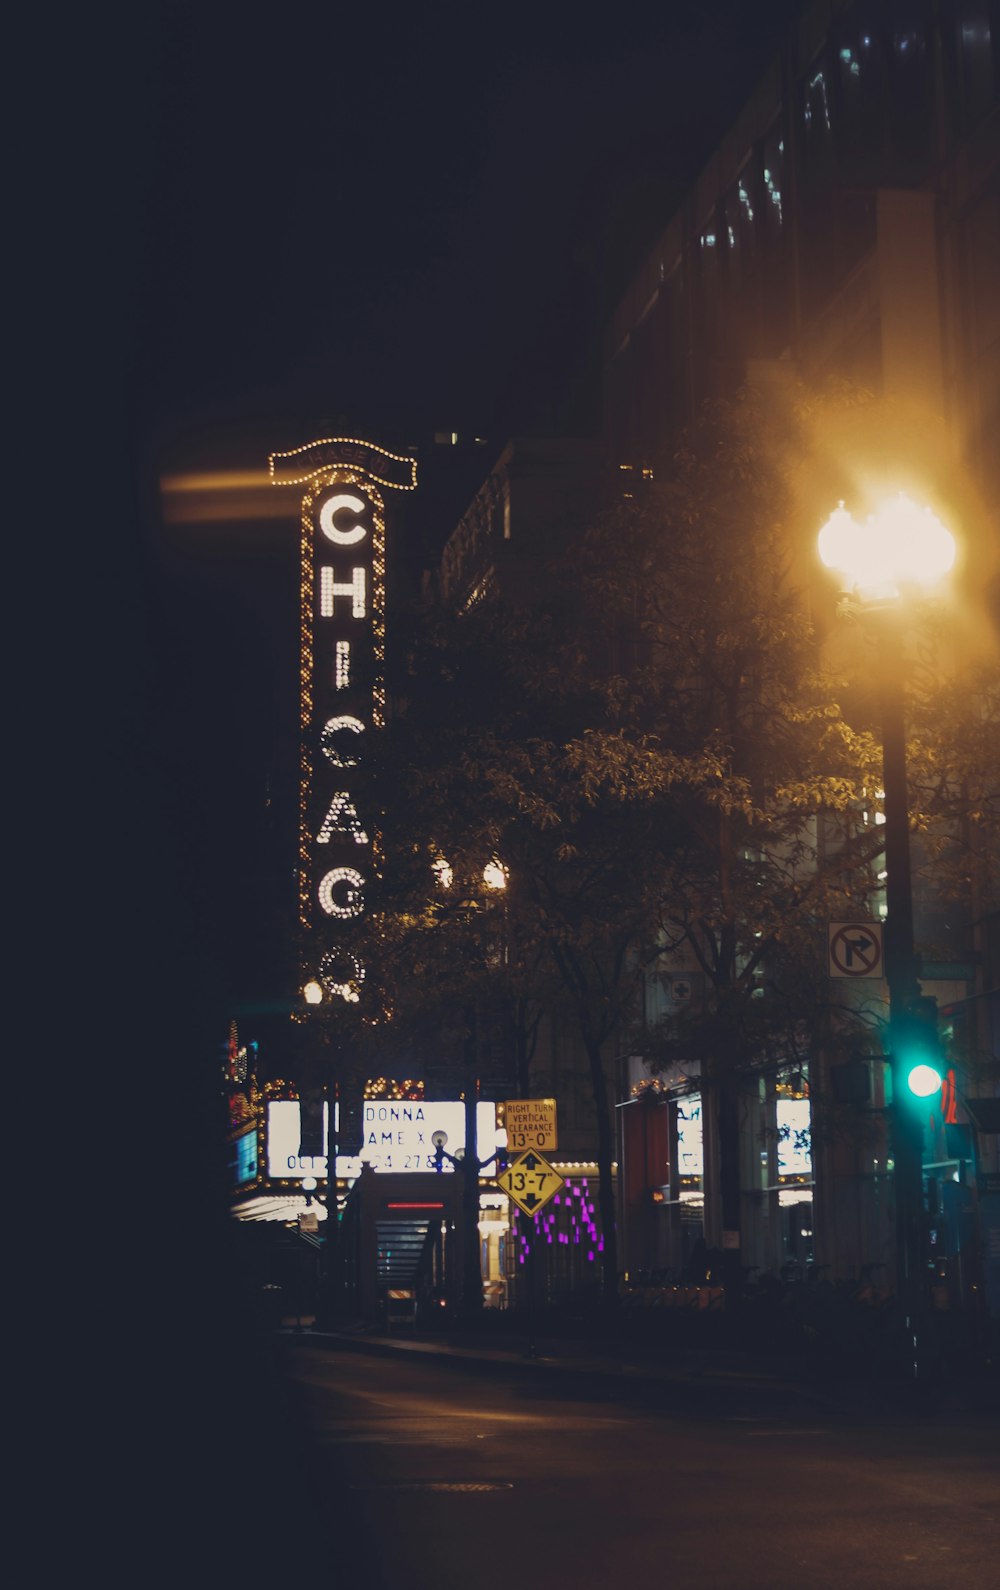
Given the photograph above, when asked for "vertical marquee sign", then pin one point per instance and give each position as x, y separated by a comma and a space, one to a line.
342, 686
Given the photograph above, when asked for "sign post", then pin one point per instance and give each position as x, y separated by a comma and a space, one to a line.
530, 1181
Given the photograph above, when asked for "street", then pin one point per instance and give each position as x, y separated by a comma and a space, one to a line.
424, 1474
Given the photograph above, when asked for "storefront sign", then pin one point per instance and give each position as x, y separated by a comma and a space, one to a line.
245, 1158
397, 1137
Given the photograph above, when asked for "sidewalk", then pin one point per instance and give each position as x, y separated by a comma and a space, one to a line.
715, 1381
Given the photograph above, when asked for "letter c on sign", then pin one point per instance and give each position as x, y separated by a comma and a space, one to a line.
328, 742
334, 505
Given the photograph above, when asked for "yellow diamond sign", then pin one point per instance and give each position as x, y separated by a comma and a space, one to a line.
530, 1181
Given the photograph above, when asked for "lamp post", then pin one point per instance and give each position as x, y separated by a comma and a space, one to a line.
329, 1302
900, 548
468, 1165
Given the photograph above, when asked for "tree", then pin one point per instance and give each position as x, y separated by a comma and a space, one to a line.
653, 748
764, 838
505, 750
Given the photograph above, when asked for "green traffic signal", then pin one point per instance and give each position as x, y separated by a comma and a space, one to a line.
924, 1080
918, 1050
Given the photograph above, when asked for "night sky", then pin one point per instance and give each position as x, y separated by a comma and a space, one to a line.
381, 221
411, 218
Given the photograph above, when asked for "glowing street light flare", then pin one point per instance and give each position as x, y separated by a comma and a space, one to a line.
900, 544
443, 872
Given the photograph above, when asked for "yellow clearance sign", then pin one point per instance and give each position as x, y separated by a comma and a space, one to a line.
531, 1123
530, 1181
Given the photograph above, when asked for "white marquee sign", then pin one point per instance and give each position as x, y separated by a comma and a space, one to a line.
397, 1137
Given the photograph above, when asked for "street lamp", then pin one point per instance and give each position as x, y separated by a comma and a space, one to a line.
469, 1165
900, 548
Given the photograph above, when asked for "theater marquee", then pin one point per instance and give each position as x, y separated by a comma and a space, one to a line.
342, 688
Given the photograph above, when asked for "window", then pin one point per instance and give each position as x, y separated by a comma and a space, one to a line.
972, 64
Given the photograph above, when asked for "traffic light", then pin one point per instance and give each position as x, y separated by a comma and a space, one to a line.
919, 1065
851, 1081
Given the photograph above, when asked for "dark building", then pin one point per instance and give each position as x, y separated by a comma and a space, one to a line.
847, 224
847, 227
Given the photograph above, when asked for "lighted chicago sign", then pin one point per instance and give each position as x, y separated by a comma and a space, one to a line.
342, 687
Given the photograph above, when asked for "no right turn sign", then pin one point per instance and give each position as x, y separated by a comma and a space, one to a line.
856, 949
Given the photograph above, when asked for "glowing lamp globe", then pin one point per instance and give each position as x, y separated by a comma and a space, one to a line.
841, 542
899, 545
313, 993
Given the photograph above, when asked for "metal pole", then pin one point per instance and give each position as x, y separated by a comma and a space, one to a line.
902, 966
530, 1267
328, 1309
472, 1269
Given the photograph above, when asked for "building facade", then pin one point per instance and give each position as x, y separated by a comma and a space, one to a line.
846, 228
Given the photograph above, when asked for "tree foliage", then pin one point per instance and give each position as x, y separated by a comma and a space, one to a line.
764, 774
652, 745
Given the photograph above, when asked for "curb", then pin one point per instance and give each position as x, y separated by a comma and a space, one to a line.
684, 1390
707, 1388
